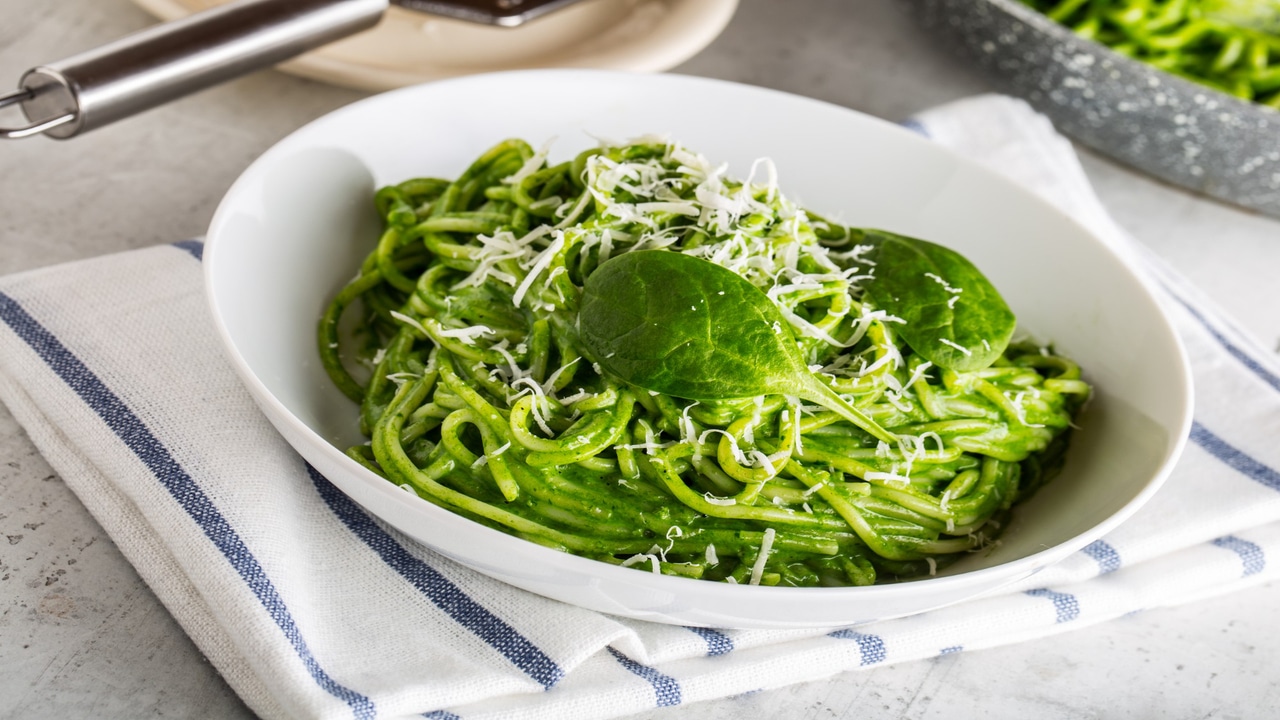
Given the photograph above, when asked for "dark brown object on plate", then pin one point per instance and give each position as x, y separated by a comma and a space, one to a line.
1181, 132
165, 62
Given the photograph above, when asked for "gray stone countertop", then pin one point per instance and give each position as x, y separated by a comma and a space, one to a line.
80, 634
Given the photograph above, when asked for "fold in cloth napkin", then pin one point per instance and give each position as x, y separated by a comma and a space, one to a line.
310, 608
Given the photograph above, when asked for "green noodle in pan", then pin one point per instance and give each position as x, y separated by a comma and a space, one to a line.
1229, 45
484, 399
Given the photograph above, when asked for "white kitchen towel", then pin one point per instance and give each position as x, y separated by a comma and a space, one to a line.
310, 608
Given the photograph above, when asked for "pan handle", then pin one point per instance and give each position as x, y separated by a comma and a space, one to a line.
168, 61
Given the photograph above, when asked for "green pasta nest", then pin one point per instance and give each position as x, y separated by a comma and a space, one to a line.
482, 398
1230, 45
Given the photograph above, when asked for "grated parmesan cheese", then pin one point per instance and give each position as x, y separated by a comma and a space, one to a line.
766, 546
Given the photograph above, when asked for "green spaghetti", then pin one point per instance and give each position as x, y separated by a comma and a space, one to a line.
499, 389
1230, 45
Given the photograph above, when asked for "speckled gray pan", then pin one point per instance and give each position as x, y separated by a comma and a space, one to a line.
1184, 133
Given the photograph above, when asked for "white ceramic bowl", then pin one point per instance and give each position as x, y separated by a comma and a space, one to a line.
294, 227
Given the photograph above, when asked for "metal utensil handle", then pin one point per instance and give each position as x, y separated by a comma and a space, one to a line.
167, 61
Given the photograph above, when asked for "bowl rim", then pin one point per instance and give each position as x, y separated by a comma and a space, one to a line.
1011, 571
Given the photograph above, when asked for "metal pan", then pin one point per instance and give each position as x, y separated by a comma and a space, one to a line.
165, 62
1186, 134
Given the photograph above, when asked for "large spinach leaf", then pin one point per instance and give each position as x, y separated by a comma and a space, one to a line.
953, 316
676, 324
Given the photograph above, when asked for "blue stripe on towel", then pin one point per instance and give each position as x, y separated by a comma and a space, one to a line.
870, 647
1250, 554
1233, 457
717, 642
1245, 359
1106, 556
1066, 604
915, 126
951, 649
440, 715
440, 590
137, 437
195, 247
665, 687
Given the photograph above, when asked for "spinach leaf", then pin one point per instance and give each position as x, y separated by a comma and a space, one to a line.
954, 317
676, 324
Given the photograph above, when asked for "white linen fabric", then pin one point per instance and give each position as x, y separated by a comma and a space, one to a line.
311, 608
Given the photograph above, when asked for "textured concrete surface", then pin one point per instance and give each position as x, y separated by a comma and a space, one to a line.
82, 636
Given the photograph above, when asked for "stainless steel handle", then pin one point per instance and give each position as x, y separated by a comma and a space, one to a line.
165, 62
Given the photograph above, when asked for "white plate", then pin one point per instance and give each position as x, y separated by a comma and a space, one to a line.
306, 206
408, 48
